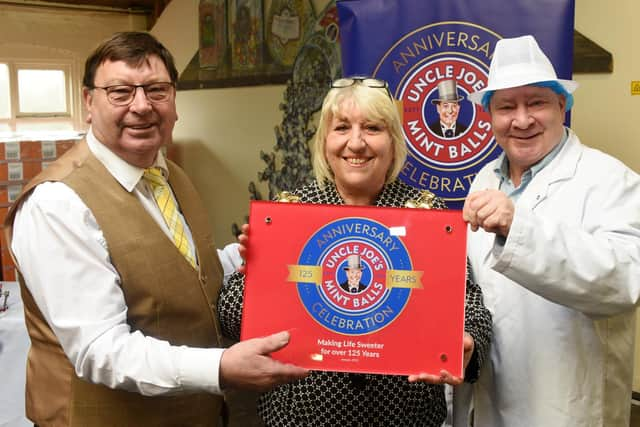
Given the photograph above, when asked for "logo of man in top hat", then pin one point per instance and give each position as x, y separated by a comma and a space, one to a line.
448, 105
354, 274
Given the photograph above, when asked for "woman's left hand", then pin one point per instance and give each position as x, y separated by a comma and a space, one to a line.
445, 376
243, 240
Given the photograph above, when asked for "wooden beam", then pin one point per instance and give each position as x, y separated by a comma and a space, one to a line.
589, 57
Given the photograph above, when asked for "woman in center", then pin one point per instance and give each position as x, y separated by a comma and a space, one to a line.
358, 153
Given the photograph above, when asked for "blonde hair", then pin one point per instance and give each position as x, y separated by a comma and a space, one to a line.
373, 103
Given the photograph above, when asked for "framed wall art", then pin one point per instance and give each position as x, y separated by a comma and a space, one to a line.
247, 42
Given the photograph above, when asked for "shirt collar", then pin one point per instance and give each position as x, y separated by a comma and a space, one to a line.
502, 165
126, 174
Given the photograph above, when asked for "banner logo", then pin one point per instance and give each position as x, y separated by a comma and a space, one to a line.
431, 71
354, 277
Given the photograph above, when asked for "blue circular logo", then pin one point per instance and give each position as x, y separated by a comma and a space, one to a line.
431, 71
354, 256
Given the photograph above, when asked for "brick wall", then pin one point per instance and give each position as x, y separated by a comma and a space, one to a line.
20, 161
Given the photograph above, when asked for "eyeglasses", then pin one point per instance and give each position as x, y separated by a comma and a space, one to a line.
123, 95
366, 81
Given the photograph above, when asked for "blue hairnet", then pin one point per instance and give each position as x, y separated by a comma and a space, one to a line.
552, 84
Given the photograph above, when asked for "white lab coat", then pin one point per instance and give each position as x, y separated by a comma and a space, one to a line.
562, 292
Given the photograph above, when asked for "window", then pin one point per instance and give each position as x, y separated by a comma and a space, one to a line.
5, 100
42, 92
36, 96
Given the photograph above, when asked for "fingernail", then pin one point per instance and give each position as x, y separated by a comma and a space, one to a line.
284, 337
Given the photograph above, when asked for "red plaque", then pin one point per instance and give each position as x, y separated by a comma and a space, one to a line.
360, 288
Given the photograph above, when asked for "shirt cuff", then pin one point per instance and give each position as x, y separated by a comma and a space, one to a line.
230, 258
199, 369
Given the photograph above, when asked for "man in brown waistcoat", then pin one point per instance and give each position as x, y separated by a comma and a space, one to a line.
119, 274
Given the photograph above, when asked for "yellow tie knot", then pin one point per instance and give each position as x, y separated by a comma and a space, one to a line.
154, 176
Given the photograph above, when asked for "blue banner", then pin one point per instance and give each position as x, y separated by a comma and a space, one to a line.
437, 50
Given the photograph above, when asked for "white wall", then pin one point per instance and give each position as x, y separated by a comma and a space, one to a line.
221, 132
605, 115
177, 29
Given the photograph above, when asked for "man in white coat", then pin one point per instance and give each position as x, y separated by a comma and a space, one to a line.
554, 242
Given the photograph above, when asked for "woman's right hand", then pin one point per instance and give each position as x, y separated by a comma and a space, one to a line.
243, 240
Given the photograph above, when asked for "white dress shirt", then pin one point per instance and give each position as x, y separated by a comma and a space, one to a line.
65, 262
444, 128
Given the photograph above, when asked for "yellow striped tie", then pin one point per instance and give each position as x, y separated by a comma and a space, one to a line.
167, 205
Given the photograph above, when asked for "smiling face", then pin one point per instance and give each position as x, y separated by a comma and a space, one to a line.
359, 153
448, 112
527, 122
353, 276
137, 131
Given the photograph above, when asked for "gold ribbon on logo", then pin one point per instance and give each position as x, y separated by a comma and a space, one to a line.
404, 279
305, 274
395, 278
